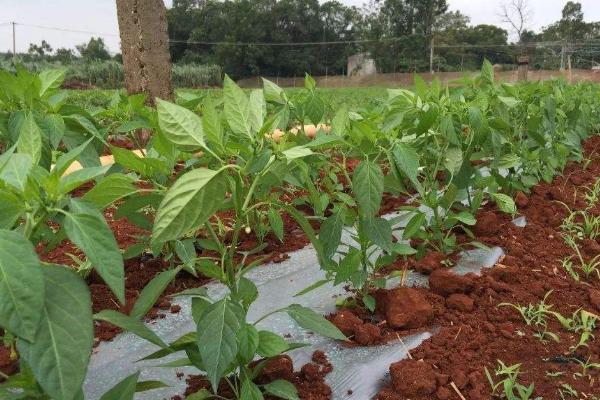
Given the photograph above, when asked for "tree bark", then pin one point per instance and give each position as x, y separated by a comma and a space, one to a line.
145, 48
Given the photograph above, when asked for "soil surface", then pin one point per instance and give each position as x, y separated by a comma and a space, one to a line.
309, 381
476, 331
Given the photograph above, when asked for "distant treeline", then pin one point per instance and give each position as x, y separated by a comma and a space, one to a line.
398, 35
249, 38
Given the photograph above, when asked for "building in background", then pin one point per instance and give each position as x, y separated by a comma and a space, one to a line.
361, 64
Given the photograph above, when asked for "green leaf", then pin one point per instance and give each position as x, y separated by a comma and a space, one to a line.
145, 386
202, 394
453, 160
145, 166
21, 286
369, 302
192, 199
297, 152
60, 352
314, 108
130, 324
273, 93
11, 210
487, 72
282, 389
70, 182
414, 225
90, 232
270, 344
505, 203
124, 390
51, 79
379, 231
217, 338
237, 109
16, 170
257, 109
407, 161
510, 102
367, 185
53, 126
211, 122
248, 340
465, 217
308, 319
250, 391
276, 223
347, 266
330, 233
110, 189
30, 139
403, 249
64, 161
428, 118
152, 292
180, 126
247, 291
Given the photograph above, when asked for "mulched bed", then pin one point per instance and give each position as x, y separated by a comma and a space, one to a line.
475, 332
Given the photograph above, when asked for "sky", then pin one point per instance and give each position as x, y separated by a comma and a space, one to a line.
100, 16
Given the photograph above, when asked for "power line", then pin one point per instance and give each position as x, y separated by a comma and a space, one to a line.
66, 30
321, 43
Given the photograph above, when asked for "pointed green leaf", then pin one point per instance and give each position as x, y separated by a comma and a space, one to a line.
270, 344
90, 232
124, 390
330, 233
237, 109
60, 352
30, 139
180, 126
189, 203
21, 286
152, 292
282, 389
110, 189
308, 319
367, 186
407, 161
217, 338
130, 324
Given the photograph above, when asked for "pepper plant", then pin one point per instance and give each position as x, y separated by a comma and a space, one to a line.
238, 173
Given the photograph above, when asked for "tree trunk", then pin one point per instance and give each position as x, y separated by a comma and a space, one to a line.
145, 48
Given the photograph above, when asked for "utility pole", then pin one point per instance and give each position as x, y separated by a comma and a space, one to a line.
431, 53
14, 40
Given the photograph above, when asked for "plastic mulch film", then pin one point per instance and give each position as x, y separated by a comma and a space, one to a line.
359, 370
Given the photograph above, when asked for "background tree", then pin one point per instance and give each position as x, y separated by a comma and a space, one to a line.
517, 14
41, 51
145, 47
93, 50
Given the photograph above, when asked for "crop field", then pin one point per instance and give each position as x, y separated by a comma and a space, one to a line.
358, 243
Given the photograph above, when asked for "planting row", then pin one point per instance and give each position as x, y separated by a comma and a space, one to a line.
208, 175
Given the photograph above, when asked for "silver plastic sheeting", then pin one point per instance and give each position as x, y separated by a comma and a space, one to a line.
359, 371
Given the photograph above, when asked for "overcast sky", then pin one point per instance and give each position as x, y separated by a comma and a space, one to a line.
100, 16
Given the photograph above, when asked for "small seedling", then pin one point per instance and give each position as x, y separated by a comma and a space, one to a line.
583, 322
586, 366
507, 385
581, 224
588, 267
566, 391
536, 315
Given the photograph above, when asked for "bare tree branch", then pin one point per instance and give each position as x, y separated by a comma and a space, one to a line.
517, 14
